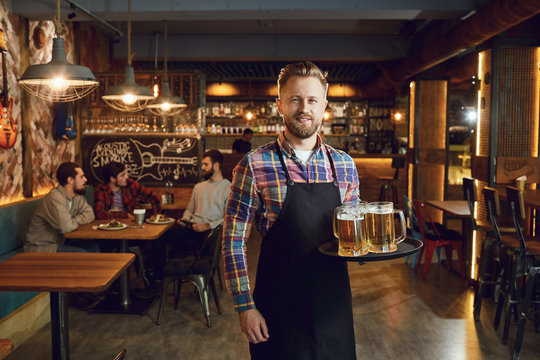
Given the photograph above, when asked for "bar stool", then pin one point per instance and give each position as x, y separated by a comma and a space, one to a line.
389, 190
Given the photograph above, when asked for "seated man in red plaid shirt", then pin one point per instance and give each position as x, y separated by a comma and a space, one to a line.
119, 191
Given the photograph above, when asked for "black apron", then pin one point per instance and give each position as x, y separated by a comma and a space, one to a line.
304, 296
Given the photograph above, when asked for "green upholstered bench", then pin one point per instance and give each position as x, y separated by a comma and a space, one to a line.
14, 221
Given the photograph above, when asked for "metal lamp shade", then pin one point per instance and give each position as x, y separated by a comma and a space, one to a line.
59, 80
175, 104
140, 96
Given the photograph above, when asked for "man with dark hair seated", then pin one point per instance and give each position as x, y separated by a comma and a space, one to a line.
61, 211
121, 192
206, 207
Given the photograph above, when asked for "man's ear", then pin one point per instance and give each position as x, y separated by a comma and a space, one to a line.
279, 106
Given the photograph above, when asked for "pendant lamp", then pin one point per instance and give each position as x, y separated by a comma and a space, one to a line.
166, 104
59, 80
128, 97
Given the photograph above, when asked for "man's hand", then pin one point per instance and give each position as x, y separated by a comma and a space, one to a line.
253, 325
201, 227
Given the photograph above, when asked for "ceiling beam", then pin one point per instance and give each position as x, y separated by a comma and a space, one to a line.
269, 47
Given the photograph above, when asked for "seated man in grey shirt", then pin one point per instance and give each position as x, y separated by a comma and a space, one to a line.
61, 211
206, 208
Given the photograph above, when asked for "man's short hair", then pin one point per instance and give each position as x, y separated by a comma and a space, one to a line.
248, 131
305, 69
65, 171
215, 156
112, 169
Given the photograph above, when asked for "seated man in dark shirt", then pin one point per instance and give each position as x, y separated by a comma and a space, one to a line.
243, 145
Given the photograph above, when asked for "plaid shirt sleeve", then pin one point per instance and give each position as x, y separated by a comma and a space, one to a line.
102, 202
137, 191
241, 207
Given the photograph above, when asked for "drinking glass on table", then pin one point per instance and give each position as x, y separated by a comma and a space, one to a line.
115, 213
380, 227
349, 228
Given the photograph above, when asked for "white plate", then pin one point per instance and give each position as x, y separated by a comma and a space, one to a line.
171, 220
103, 227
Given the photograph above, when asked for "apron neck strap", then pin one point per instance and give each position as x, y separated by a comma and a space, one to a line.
288, 176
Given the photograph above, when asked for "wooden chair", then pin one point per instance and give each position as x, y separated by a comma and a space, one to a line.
431, 236
198, 269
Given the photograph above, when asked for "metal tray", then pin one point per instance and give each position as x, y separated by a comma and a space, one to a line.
408, 247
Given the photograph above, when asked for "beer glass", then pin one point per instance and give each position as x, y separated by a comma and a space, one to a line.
115, 213
349, 227
380, 227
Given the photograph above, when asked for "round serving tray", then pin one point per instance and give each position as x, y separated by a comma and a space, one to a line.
407, 247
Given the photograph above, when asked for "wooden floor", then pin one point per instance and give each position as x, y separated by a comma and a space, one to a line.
397, 315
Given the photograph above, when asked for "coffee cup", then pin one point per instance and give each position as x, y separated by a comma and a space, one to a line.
139, 215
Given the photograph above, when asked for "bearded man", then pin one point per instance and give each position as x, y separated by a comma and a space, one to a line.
61, 211
206, 207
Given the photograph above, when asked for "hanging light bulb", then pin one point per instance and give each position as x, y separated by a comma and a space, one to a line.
166, 104
128, 97
59, 80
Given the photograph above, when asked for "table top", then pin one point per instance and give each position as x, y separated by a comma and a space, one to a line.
531, 198
457, 208
132, 232
62, 272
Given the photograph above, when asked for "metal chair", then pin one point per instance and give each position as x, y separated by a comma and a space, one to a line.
415, 230
431, 236
198, 269
523, 261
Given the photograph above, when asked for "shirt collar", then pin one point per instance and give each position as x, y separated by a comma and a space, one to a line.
63, 192
289, 151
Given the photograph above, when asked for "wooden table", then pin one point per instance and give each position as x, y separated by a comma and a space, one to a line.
531, 200
133, 232
59, 273
6, 346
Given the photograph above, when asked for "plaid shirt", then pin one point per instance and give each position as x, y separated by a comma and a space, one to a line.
131, 193
258, 190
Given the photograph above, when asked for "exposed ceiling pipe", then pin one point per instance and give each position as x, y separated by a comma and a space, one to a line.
498, 16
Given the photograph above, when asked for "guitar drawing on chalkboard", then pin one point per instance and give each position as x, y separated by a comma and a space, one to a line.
8, 130
155, 158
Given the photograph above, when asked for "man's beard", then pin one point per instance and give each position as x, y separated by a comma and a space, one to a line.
208, 175
80, 191
302, 131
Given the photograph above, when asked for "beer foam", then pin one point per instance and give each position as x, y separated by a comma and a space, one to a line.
350, 217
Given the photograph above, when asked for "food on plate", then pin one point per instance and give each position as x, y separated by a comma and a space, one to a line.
159, 218
113, 224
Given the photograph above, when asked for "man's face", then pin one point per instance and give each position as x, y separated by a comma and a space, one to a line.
121, 179
301, 104
207, 168
79, 181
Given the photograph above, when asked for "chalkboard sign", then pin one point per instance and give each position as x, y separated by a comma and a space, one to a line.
150, 160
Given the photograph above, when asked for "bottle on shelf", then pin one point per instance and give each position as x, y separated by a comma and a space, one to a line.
169, 192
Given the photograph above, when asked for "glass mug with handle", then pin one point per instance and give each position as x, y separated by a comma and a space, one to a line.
380, 227
349, 229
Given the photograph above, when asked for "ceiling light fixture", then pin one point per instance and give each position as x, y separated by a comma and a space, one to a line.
128, 97
59, 80
166, 104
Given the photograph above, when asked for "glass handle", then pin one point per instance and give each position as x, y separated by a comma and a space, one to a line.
334, 226
403, 226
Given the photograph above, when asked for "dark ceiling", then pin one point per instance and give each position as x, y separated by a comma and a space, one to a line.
356, 41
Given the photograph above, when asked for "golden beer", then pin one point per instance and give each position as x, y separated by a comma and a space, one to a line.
349, 228
380, 227
380, 232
